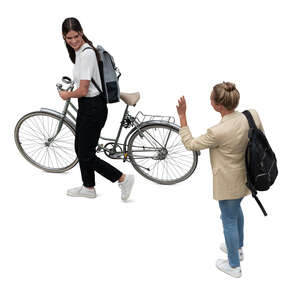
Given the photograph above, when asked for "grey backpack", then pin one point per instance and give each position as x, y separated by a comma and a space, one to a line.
109, 75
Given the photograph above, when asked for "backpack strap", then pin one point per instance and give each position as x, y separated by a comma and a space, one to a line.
250, 119
96, 85
252, 126
254, 195
93, 81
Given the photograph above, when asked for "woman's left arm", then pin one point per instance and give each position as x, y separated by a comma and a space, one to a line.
81, 91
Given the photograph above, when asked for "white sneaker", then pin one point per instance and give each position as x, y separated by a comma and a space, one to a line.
224, 249
82, 192
126, 187
224, 266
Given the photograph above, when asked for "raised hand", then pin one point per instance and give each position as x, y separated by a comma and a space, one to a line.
181, 107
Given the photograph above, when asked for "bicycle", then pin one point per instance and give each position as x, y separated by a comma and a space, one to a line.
153, 146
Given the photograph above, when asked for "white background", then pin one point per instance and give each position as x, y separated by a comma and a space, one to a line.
165, 237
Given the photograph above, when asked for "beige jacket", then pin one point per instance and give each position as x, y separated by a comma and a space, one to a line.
227, 142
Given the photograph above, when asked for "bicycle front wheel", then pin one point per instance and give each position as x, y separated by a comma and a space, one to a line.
33, 134
157, 153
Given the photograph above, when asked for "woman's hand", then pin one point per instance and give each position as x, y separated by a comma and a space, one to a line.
181, 110
65, 95
181, 107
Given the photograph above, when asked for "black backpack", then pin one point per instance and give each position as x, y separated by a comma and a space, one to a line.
261, 163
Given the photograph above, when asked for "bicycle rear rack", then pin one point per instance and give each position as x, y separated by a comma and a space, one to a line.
140, 117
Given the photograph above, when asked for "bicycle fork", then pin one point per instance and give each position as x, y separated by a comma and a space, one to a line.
60, 123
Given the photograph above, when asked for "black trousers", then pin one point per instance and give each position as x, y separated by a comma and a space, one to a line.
91, 117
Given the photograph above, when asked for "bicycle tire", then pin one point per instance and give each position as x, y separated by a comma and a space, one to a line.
163, 157
33, 130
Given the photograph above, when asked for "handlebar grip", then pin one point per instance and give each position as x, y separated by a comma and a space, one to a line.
59, 86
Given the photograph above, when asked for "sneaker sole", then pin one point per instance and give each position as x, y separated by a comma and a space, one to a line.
232, 275
86, 196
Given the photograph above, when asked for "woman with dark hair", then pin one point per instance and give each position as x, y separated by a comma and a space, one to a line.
92, 113
227, 142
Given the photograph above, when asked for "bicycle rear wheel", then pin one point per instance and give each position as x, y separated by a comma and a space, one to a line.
157, 153
32, 134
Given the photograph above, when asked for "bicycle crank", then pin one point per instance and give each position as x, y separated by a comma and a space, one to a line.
112, 151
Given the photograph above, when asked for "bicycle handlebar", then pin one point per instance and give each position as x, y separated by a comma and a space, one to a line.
66, 80
59, 86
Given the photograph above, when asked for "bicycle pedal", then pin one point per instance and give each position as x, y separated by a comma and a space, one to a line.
116, 155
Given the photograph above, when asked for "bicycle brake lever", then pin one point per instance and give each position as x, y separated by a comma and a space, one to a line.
59, 87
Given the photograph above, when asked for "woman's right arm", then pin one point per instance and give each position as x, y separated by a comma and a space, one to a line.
205, 141
181, 110
201, 142
81, 91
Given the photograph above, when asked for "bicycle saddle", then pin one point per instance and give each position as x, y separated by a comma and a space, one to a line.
130, 98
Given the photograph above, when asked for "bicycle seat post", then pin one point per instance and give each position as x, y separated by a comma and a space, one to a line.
120, 128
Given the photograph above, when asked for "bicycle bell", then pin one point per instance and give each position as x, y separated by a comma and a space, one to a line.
67, 80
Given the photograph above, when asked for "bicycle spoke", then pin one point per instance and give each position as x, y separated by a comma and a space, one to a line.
43, 126
38, 150
60, 135
38, 127
33, 132
31, 140
151, 137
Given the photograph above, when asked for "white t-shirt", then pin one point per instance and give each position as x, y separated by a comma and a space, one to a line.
86, 68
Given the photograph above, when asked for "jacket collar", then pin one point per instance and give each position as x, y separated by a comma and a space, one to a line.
229, 116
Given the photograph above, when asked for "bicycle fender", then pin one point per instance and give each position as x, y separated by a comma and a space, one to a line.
152, 122
60, 115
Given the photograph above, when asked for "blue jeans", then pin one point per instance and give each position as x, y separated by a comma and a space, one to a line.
233, 225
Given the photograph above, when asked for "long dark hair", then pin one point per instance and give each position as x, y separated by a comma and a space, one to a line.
73, 24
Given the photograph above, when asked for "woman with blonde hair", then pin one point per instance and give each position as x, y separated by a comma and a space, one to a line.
227, 142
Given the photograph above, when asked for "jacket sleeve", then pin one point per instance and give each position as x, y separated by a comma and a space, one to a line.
202, 142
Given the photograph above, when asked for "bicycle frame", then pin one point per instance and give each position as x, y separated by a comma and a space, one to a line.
63, 117
126, 122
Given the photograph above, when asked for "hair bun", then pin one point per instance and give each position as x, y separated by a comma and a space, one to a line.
228, 86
